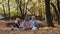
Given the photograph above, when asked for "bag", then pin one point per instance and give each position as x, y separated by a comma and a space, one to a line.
34, 28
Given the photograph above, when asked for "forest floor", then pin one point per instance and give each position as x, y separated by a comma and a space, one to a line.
42, 30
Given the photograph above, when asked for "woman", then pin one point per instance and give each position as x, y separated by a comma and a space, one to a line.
17, 23
34, 23
26, 23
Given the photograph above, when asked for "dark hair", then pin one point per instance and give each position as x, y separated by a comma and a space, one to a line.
26, 16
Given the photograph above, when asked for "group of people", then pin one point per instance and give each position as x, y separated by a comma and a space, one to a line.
26, 23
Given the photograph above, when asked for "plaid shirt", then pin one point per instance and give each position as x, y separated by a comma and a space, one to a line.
26, 24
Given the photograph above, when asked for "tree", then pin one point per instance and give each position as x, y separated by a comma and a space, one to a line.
56, 12
23, 7
17, 2
48, 13
58, 2
4, 10
9, 7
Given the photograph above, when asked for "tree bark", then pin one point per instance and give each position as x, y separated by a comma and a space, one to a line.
58, 11
9, 7
48, 13
3, 9
17, 2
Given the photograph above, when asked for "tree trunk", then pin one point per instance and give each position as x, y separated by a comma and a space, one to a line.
40, 14
20, 6
22, 9
59, 11
4, 10
9, 7
58, 2
48, 14
56, 12
17, 2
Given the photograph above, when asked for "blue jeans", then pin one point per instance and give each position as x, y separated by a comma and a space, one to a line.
16, 25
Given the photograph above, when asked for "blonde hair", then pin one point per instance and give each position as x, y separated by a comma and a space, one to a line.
33, 17
17, 19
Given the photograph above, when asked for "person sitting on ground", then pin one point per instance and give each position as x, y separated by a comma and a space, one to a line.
34, 24
26, 23
17, 23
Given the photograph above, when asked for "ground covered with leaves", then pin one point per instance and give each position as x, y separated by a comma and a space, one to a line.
41, 30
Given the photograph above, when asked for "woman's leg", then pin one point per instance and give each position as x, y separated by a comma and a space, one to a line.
16, 25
